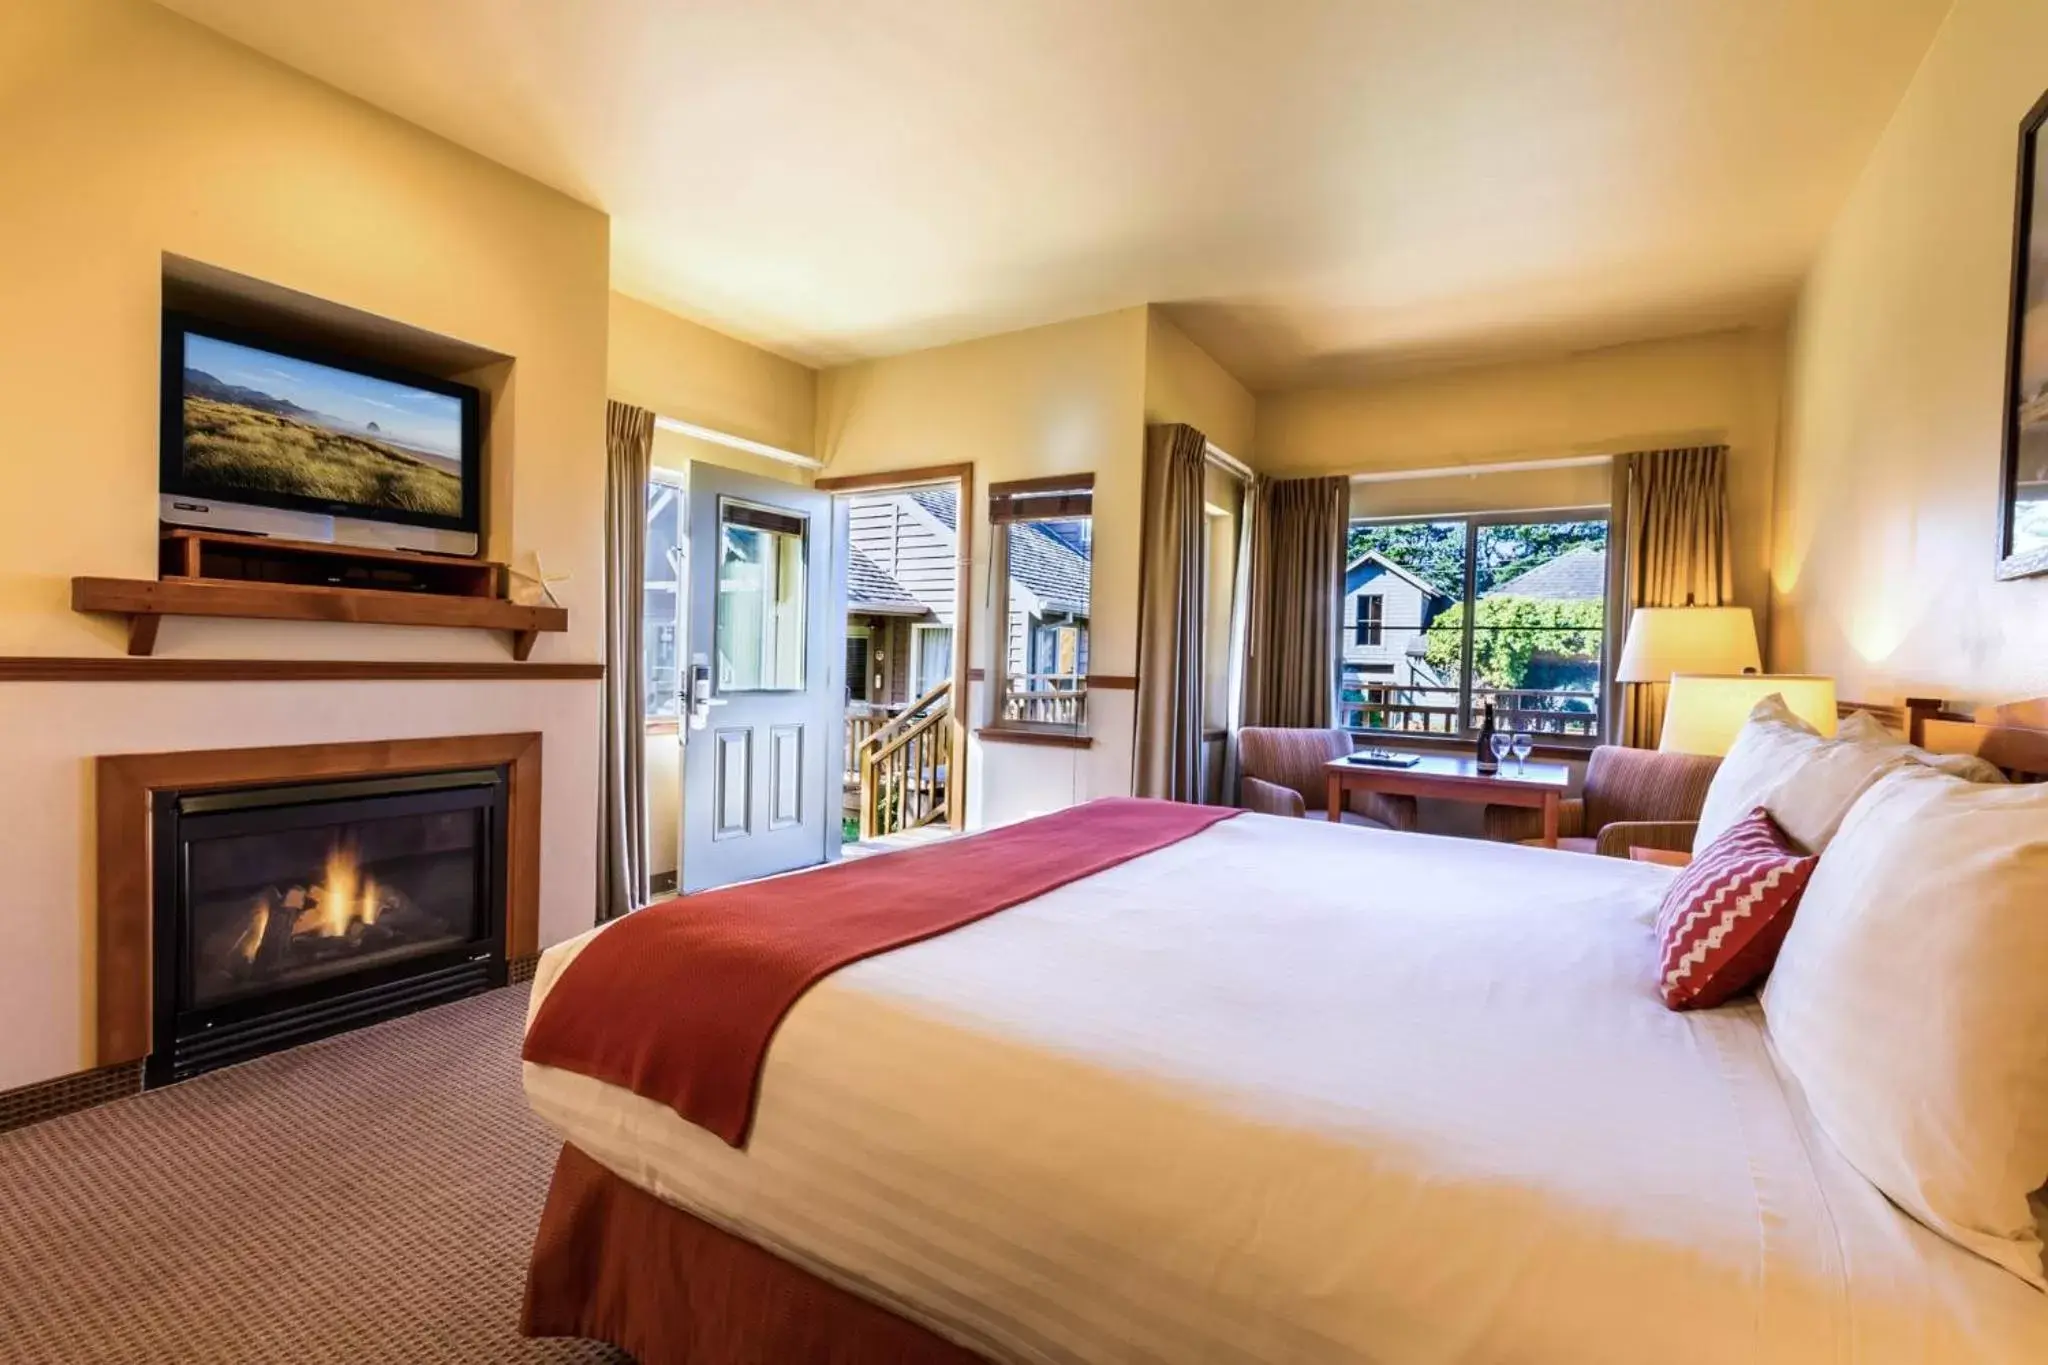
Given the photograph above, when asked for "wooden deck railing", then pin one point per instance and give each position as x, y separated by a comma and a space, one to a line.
1046, 698
904, 766
860, 724
1434, 711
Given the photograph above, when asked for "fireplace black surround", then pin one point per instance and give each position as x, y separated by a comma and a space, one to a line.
286, 912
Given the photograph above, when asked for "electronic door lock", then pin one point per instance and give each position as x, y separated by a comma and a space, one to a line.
700, 699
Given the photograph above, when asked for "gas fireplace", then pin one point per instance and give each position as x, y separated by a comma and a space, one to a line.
284, 913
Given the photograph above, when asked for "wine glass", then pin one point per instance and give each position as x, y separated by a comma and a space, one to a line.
1499, 742
1524, 742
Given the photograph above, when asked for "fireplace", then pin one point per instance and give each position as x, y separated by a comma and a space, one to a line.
289, 911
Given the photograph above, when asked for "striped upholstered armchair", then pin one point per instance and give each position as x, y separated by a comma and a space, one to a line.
1635, 798
1283, 775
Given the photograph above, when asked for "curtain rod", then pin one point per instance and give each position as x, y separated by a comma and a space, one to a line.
1226, 461
1501, 467
732, 442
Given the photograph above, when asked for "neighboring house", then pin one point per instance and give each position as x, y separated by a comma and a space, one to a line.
1387, 610
1577, 575
1050, 581
899, 595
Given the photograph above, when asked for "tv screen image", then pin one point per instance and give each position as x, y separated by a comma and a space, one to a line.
260, 425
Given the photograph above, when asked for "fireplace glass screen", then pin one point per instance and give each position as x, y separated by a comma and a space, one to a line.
280, 908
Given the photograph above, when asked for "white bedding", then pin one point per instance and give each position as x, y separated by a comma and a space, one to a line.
1294, 1092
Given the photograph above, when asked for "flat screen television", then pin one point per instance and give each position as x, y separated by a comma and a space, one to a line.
272, 438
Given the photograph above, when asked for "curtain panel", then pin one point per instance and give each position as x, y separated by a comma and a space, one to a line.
1297, 587
622, 808
1172, 616
1670, 539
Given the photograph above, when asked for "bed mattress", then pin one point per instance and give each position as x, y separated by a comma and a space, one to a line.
1288, 1091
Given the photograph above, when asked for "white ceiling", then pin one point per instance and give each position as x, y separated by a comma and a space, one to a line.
1319, 188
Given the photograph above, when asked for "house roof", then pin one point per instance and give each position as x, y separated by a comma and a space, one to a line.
1048, 558
1576, 575
1375, 557
870, 588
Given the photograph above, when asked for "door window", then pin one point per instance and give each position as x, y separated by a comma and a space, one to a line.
759, 621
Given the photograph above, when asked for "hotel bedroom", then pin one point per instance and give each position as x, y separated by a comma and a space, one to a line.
1030, 682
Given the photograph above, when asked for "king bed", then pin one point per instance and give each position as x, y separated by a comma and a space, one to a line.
1275, 1090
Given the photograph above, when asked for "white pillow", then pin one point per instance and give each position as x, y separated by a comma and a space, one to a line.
1864, 728
1910, 1001
1807, 783
1771, 743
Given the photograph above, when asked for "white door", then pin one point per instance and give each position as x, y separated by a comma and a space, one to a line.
764, 691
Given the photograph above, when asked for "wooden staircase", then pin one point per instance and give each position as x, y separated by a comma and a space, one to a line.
905, 767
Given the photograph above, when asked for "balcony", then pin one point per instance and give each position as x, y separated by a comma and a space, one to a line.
1045, 699
1434, 711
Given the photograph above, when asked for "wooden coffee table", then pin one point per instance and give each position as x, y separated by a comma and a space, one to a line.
1538, 786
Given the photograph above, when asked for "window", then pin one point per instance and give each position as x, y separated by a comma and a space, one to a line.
931, 657
1507, 610
1372, 609
857, 646
758, 622
1041, 566
661, 596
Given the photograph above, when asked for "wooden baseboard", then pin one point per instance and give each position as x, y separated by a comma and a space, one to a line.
62, 1095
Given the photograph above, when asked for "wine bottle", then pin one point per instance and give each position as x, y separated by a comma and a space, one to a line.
1487, 762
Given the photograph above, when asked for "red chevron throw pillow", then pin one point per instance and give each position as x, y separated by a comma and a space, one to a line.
1726, 913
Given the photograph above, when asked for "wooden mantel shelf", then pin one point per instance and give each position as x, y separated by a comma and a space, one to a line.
145, 602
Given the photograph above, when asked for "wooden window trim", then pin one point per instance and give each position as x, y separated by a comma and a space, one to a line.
1054, 498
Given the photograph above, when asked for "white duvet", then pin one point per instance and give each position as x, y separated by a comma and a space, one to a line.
1293, 1092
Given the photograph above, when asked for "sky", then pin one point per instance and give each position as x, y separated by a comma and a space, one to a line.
431, 422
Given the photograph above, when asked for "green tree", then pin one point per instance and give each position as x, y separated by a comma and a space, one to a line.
1435, 550
1510, 631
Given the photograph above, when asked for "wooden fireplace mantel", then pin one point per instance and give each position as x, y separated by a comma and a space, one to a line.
127, 785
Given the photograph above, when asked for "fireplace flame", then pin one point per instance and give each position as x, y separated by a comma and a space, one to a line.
339, 894
343, 897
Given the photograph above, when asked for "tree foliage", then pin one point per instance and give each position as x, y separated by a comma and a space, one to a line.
1510, 631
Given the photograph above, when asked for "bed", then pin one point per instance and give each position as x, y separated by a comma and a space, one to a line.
1279, 1091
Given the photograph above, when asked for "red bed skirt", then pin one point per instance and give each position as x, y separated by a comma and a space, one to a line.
612, 1263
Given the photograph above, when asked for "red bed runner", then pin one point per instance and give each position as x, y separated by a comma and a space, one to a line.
679, 1001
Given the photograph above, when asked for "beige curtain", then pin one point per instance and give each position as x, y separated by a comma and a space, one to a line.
1670, 536
622, 808
1172, 611
1297, 585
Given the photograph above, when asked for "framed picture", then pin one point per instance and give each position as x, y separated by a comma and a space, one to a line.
2023, 496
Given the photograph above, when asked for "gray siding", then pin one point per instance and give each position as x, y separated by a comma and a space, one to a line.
1400, 618
909, 546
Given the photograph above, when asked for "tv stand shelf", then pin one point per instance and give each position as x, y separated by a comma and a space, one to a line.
253, 578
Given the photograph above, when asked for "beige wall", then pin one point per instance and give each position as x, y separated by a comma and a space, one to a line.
684, 370
1183, 384
1720, 387
131, 133
1068, 398
1887, 533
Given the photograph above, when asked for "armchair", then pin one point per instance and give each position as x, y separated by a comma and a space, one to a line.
1634, 798
1283, 775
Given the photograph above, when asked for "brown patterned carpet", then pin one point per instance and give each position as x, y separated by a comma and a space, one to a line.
367, 1198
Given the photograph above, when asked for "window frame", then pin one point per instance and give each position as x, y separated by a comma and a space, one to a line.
678, 557
1369, 630
1069, 497
1474, 522
919, 685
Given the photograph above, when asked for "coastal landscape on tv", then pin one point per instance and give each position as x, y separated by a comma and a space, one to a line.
256, 421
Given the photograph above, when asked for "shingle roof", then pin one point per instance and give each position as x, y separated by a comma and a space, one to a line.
1576, 575
870, 588
1049, 558
1046, 561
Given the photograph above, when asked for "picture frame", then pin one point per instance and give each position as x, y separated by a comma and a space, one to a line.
2023, 486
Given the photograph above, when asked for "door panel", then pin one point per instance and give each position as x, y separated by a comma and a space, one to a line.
766, 679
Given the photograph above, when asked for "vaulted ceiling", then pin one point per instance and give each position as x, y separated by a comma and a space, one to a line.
1318, 189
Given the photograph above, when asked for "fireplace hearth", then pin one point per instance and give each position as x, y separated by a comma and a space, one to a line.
287, 912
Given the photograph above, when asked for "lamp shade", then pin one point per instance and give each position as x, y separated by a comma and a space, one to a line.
1667, 640
1706, 711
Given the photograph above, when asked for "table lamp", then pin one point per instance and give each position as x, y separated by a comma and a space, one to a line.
1706, 711
1667, 640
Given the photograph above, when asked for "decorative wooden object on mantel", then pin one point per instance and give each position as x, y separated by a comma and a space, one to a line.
211, 573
